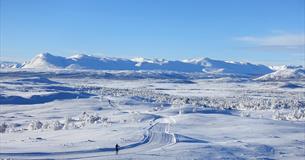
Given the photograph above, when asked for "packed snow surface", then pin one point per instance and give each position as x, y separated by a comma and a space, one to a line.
83, 114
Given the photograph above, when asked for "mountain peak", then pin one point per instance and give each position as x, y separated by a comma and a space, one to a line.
79, 56
197, 60
46, 54
45, 60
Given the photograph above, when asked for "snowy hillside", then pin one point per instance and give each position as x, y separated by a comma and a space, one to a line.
210, 65
282, 67
46, 60
284, 74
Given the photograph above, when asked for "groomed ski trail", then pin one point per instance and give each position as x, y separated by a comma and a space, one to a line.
156, 137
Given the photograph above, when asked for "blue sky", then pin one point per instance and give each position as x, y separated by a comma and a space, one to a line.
258, 31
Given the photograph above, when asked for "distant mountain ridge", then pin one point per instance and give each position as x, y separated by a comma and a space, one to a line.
284, 74
81, 61
7, 64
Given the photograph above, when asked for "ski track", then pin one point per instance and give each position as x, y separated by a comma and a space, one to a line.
157, 136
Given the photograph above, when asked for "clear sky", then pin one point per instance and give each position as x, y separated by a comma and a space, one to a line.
258, 31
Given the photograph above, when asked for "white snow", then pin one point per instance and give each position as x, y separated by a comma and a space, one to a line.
81, 61
82, 114
7, 64
284, 74
218, 66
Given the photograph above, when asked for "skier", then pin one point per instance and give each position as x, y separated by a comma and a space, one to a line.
117, 148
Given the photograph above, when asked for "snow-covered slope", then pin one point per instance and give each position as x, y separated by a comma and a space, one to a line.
210, 65
81, 61
46, 60
284, 74
282, 67
6, 64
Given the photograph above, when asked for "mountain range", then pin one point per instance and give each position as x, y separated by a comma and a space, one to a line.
81, 61
205, 65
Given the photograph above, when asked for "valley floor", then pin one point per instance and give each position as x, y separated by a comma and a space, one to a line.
70, 117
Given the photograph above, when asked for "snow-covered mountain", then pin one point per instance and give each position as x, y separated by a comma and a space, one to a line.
210, 65
286, 73
7, 64
282, 67
47, 60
